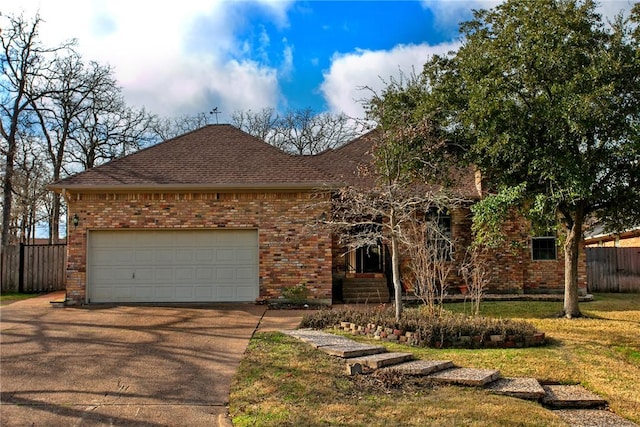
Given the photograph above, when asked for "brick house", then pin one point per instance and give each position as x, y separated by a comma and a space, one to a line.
218, 215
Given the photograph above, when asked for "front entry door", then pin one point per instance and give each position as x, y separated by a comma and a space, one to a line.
369, 259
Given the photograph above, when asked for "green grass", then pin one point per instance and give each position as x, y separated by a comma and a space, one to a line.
15, 296
283, 381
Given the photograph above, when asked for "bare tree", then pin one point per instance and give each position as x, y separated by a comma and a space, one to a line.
476, 273
31, 176
25, 66
71, 92
109, 129
169, 127
298, 131
261, 124
428, 248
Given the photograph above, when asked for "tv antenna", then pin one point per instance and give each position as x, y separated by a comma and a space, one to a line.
216, 112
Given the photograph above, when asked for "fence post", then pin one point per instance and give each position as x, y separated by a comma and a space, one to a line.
21, 269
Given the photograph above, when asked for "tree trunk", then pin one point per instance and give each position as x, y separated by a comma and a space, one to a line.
395, 268
571, 255
7, 199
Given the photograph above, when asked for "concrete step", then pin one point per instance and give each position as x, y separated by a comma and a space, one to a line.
373, 299
421, 367
571, 396
335, 345
354, 349
522, 388
377, 361
319, 339
466, 376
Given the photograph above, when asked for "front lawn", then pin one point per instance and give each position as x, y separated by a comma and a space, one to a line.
283, 381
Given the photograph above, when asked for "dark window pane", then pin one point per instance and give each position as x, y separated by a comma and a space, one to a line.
543, 248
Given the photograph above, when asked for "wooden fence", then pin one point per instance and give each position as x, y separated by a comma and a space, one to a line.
613, 269
33, 268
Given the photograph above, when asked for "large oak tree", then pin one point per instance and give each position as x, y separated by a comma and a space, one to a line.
546, 97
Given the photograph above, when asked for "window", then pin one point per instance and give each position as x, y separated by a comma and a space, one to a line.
543, 248
441, 235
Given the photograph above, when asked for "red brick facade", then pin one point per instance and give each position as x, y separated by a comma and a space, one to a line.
513, 269
290, 252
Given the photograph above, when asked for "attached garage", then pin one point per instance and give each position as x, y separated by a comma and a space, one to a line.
164, 266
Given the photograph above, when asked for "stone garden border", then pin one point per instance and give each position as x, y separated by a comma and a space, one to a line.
468, 342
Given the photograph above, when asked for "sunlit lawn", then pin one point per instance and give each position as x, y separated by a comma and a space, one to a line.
282, 381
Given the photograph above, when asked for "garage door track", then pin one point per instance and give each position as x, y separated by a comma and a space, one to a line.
120, 365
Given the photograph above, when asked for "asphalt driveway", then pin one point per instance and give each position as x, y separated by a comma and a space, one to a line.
120, 365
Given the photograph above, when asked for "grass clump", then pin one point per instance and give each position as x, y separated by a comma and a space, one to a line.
447, 329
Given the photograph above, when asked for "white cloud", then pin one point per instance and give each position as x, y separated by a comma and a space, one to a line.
171, 58
343, 82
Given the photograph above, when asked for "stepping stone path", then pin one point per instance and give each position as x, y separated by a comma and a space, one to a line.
572, 403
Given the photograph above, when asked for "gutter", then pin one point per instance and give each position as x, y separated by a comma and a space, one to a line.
64, 189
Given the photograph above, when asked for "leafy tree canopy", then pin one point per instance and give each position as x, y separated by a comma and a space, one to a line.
545, 97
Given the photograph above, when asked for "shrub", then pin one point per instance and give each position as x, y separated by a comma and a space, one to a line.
296, 294
445, 330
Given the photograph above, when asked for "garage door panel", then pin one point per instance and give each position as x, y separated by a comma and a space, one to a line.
112, 256
224, 274
144, 256
164, 255
173, 266
246, 274
204, 255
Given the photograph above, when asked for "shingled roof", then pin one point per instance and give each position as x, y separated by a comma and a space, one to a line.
223, 157
212, 157
352, 164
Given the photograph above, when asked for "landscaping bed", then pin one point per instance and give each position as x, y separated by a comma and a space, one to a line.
446, 330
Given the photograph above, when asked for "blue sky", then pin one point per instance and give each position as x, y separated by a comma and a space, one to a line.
187, 57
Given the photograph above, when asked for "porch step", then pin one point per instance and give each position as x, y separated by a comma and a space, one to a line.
571, 396
353, 350
466, 376
362, 290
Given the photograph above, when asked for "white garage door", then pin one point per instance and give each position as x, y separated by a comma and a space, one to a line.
173, 266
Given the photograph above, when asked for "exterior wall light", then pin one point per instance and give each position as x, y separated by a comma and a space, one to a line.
75, 220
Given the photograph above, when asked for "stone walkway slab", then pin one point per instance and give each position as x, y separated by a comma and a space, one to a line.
593, 418
522, 388
319, 339
381, 360
571, 396
353, 350
421, 367
466, 376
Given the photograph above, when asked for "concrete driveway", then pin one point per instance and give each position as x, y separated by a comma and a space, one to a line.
120, 365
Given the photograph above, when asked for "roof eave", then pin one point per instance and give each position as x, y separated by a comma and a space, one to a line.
312, 186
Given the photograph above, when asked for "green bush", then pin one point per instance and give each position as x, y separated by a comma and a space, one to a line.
446, 330
296, 294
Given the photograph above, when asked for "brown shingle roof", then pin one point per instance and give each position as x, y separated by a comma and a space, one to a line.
224, 157
352, 164
215, 156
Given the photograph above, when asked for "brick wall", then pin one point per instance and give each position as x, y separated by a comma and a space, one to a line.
512, 268
291, 250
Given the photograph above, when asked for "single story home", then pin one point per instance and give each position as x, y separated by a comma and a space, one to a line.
217, 215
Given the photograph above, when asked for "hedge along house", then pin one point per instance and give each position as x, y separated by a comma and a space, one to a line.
212, 215
216, 215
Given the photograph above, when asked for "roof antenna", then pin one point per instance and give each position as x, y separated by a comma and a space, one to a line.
216, 112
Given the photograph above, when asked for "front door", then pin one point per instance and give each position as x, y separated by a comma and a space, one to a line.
369, 259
